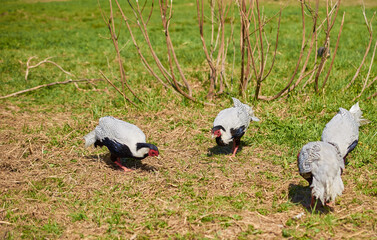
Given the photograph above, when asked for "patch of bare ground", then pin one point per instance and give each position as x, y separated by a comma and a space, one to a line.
193, 189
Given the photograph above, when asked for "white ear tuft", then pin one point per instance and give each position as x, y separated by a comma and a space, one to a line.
357, 114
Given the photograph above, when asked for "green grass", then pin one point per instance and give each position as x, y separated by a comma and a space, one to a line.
51, 187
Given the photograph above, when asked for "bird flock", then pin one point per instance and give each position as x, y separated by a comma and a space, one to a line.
321, 163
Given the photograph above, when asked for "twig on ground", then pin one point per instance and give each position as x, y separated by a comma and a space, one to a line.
373, 95
370, 84
28, 67
94, 89
6, 223
47, 85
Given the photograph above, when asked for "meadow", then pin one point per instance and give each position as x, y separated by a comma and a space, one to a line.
52, 187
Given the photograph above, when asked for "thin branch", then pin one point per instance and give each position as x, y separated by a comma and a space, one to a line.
298, 61
270, 19
334, 54
115, 87
246, 43
370, 84
259, 77
336, 6
168, 39
244, 25
313, 38
165, 21
212, 6
221, 56
47, 85
326, 44
200, 12
310, 80
299, 80
28, 67
261, 43
276, 47
144, 31
234, 56
373, 95
150, 13
370, 68
369, 27
111, 27
149, 68
230, 38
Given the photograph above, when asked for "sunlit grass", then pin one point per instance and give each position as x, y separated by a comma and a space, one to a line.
53, 187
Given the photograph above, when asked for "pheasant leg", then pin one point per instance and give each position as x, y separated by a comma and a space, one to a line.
312, 202
330, 204
235, 148
117, 162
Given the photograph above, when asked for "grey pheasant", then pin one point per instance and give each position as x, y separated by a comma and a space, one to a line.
321, 164
232, 123
343, 129
123, 139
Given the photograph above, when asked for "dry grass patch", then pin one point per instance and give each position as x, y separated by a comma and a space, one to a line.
51, 186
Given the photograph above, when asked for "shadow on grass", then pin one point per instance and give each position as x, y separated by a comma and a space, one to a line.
302, 195
224, 150
130, 163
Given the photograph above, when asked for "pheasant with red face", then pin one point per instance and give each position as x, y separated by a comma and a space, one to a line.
232, 123
123, 139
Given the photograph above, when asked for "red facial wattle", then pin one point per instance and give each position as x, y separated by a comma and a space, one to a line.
217, 133
153, 153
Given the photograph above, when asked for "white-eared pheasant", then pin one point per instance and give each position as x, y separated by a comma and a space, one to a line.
321, 164
343, 129
123, 139
232, 123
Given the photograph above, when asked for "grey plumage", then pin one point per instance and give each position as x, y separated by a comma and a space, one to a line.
120, 132
320, 163
233, 118
343, 129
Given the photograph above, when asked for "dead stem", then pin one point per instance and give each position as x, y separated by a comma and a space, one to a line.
28, 67
47, 85
367, 77
298, 61
118, 90
370, 30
